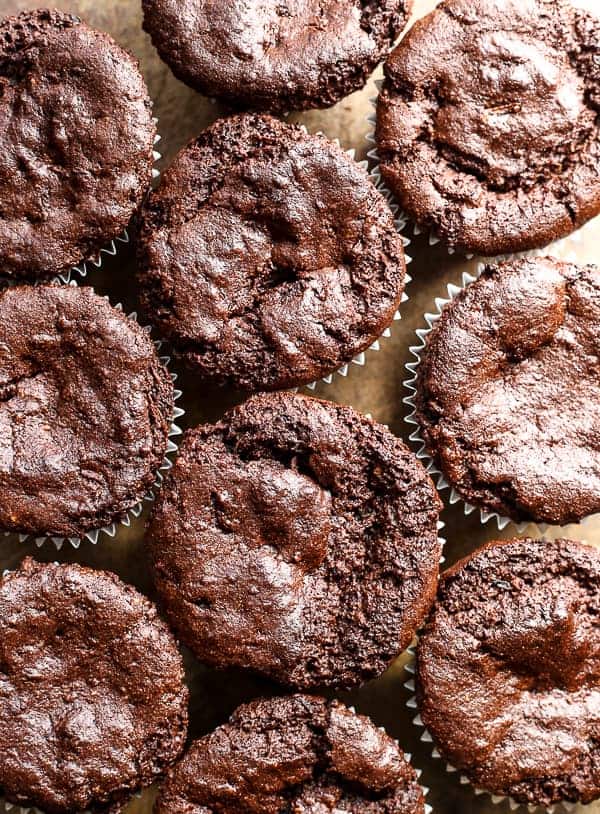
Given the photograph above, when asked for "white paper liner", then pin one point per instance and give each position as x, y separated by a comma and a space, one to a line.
536, 529
552, 248
93, 535
426, 737
400, 222
76, 272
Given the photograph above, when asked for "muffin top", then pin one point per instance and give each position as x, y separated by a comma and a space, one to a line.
85, 411
76, 138
296, 538
508, 391
299, 753
267, 256
93, 704
508, 670
274, 55
488, 122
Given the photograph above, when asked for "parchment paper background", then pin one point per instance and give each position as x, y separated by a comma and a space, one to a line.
376, 388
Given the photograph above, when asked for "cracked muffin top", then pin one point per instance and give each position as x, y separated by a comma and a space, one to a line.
488, 122
276, 55
298, 539
93, 704
76, 142
297, 754
508, 670
267, 256
508, 391
85, 411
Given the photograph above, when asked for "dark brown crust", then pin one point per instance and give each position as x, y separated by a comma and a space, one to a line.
508, 670
76, 142
300, 753
488, 123
85, 411
93, 704
267, 256
274, 55
298, 539
508, 391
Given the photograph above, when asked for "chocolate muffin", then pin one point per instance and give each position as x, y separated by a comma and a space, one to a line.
76, 142
93, 704
296, 538
85, 411
301, 754
276, 55
508, 391
488, 123
508, 670
267, 256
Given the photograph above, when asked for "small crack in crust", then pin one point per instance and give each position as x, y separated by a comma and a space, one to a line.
93, 704
275, 55
76, 142
295, 755
488, 123
298, 539
267, 257
508, 390
508, 670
